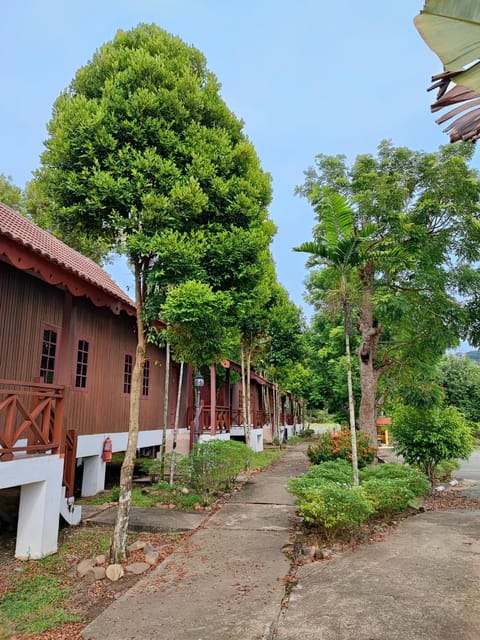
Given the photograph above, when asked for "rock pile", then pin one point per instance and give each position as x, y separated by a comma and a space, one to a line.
93, 569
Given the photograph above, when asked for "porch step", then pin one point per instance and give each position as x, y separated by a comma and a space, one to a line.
70, 512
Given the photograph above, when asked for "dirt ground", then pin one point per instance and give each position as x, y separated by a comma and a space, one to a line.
86, 600
89, 600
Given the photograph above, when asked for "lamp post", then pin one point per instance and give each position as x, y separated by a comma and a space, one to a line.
198, 382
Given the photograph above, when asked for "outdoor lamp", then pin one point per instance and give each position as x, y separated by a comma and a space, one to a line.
198, 382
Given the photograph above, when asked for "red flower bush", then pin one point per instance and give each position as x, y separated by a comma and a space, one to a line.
332, 446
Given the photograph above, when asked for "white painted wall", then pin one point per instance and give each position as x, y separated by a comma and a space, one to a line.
40, 479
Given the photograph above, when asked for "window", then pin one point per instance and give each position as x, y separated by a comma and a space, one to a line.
146, 378
49, 352
82, 362
127, 373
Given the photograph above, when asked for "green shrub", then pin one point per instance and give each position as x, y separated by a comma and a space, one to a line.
339, 471
306, 433
332, 508
388, 495
444, 470
212, 467
414, 479
429, 436
334, 446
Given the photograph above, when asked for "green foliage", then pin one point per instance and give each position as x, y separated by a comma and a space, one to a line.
33, 605
144, 157
445, 469
306, 433
212, 467
10, 194
143, 131
260, 459
197, 323
339, 471
328, 500
415, 480
333, 508
424, 210
387, 495
459, 378
426, 437
333, 446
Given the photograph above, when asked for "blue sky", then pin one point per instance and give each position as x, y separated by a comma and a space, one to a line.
306, 76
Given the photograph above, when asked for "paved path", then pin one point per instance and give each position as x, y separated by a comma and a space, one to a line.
470, 472
226, 580
421, 583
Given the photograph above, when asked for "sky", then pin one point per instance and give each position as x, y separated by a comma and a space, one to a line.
307, 77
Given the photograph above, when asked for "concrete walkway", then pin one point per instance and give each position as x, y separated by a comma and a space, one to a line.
226, 581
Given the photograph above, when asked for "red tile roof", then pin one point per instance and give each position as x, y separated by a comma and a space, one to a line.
28, 234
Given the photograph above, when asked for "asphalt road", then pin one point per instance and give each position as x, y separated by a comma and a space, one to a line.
470, 469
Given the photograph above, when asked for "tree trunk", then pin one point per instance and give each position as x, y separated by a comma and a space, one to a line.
244, 388
119, 537
175, 426
351, 405
165, 411
370, 333
249, 424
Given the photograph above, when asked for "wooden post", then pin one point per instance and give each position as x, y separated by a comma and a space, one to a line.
229, 399
213, 399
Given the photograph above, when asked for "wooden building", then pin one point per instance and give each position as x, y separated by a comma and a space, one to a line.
67, 348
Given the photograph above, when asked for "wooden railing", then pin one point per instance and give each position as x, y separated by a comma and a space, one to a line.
31, 415
259, 418
222, 419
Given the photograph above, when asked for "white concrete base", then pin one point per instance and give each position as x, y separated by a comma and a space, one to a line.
93, 479
70, 512
40, 479
255, 440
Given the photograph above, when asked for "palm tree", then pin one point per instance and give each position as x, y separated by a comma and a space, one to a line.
451, 28
339, 246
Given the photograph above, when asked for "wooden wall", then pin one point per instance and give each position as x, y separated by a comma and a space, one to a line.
28, 306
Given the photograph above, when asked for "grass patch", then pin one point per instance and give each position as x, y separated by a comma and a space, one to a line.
184, 493
33, 604
262, 459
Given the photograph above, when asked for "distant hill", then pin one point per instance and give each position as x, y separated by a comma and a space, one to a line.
473, 355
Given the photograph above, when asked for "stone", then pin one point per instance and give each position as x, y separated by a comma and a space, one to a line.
136, 546
114, 572
137, 567
94, 574
185, 491
309, 551
100, 559
84, 567
149, 548
152, 557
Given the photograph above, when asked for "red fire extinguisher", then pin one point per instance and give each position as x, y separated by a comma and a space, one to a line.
107, 450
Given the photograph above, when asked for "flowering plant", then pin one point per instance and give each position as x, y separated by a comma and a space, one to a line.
334, 446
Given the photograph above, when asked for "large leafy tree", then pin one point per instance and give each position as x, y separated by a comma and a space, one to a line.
459, 377
341, 248
142, 150
10, 194
424, 208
